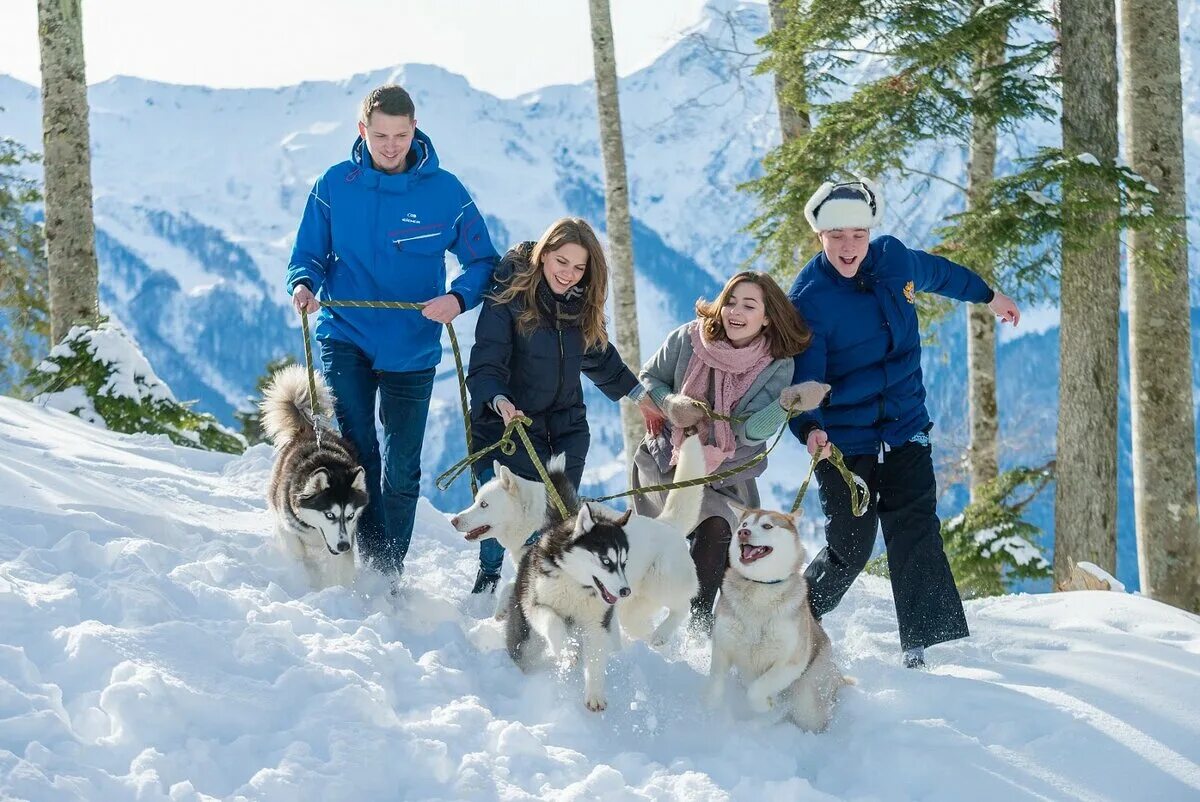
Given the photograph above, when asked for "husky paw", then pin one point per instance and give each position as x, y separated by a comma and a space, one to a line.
760, 703
596, 703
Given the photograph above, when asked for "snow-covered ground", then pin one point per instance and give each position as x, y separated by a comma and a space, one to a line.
155, 645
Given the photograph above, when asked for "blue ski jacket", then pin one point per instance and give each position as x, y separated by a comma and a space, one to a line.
866, 343
372, 236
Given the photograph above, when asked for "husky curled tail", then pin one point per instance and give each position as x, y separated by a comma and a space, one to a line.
682, 507
287, 409
660, 568
556, 470
318, 490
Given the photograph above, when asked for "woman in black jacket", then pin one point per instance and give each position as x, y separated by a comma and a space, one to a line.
542, 324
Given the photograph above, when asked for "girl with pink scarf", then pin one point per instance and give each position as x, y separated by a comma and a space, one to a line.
736, 357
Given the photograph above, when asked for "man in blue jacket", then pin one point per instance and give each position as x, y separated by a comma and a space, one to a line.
858, 296
377, 227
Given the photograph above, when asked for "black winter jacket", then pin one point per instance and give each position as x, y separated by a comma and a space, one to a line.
540, 374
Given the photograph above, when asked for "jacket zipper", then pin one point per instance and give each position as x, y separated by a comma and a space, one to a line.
562, 357
887, 349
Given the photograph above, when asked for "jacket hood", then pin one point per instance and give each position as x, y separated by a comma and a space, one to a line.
422, 158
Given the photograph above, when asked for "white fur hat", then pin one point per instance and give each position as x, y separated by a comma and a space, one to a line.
853, 204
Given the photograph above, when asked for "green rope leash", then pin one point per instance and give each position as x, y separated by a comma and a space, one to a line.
700, 480
404, 305
858, 489
508, 447
709, 412
308, 363
859, 493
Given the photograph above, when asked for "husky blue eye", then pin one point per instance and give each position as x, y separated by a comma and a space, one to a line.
330, 516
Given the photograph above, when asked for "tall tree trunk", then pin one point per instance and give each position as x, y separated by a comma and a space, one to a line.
70, 229
1085, 513
793, 123
1160, 355
616, 206
982, 454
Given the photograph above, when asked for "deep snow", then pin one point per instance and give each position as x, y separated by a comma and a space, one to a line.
154, 644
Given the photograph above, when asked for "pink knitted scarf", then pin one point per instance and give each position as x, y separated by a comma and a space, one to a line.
728, 372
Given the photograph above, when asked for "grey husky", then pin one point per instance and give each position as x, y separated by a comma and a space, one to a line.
571, 578
765, 626
318, 490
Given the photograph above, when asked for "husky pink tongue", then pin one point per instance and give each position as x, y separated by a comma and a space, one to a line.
750, 553
608, 597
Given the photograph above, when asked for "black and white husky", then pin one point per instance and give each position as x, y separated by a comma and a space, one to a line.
318, 489
571, 579
659, 568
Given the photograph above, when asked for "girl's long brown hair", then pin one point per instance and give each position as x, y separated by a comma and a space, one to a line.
524, 283
787, 333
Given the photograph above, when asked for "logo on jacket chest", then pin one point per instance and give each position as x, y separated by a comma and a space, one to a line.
910, 292
411, 218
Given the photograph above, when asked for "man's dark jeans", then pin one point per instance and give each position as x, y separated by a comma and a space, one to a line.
385, 529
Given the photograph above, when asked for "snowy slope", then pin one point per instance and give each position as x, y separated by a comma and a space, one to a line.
155, 645
199, 192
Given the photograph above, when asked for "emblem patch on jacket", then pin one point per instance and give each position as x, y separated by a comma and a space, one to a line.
910, 292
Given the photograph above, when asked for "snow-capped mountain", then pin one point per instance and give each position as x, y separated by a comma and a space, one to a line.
199, 191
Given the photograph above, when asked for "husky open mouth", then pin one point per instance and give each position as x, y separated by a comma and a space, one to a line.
604, 594
750, 552
478, 532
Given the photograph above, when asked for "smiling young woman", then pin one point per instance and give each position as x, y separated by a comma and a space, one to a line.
541, 327
735, 357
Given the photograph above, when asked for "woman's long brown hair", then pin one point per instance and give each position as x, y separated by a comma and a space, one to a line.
524, 283
786, 332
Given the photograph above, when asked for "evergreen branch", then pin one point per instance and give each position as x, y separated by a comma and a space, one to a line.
935, 177
1021, 225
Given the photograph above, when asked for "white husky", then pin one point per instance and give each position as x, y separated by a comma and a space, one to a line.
765, 628
659, 566
509, 509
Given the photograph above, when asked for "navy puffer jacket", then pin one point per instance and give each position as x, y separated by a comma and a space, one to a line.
540, 374
866, 343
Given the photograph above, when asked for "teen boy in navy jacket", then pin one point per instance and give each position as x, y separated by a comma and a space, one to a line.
858, 297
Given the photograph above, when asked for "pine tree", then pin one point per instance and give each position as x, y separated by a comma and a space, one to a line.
616, 204
70, 229
1160, 355
983, 415
945, 77
24, 295
100, 375
1085, 510
931, 87
790, 95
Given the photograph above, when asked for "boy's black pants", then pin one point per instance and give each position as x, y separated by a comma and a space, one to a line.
903, 498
